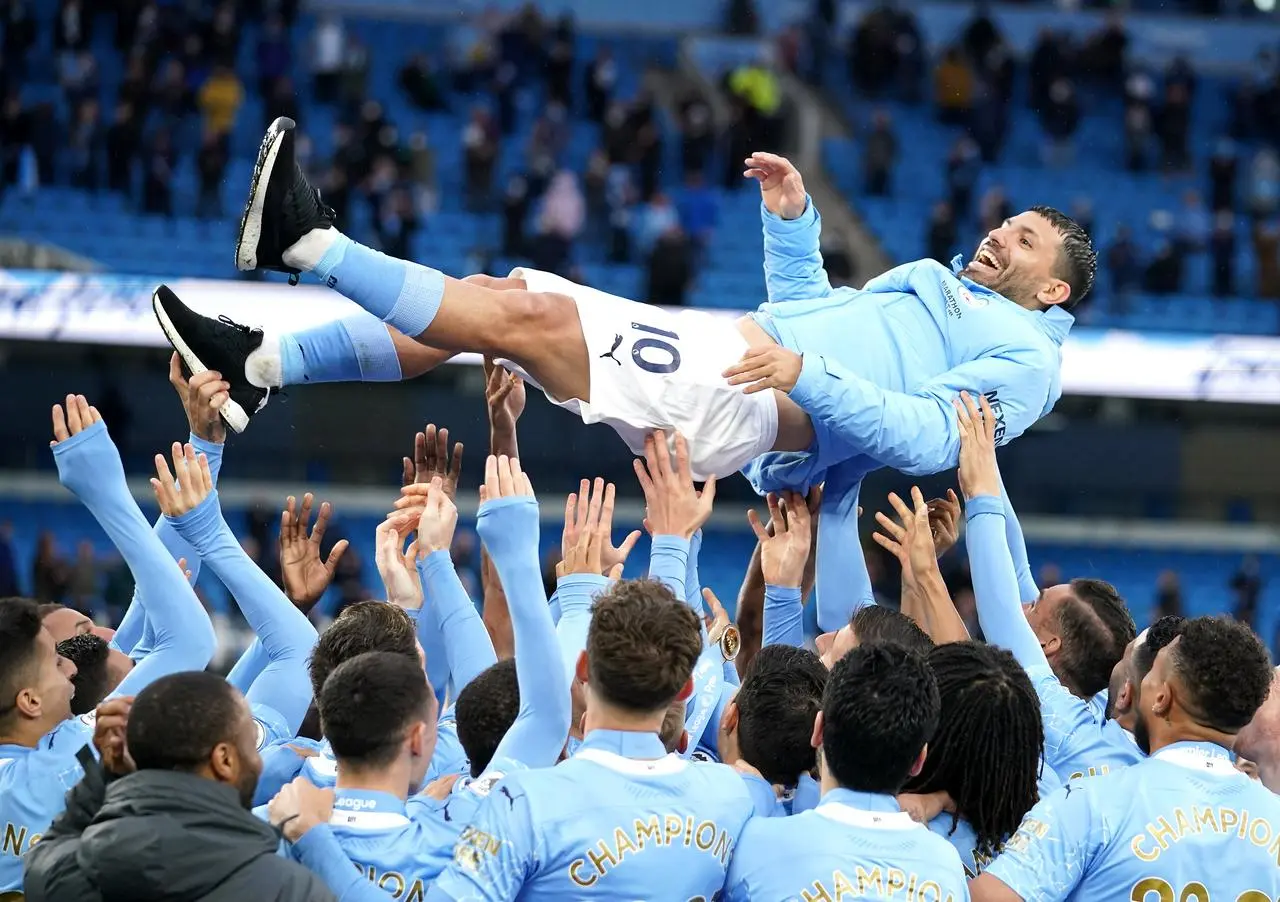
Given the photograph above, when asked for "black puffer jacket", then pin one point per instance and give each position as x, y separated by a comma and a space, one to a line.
161, 836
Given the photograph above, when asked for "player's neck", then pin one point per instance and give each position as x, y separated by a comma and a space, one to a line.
603, 716
25, 732
393, 780
1182, 729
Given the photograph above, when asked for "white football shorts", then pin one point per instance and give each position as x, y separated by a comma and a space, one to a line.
653, 368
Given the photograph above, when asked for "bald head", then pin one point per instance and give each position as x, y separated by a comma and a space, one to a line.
1259, 741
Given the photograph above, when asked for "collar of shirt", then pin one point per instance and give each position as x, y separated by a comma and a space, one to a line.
626, 743
1201, 756
1054, 322
864, 809
363, 808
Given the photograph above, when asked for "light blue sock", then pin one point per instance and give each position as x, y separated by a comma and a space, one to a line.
402, 294
357, 348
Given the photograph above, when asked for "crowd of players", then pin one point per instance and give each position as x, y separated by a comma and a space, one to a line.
622, 741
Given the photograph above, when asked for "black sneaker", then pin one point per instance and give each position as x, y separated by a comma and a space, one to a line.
213, 344
282, 205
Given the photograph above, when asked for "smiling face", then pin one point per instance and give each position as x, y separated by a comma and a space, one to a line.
1020, 259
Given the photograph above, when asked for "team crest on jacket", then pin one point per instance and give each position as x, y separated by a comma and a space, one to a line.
970, 300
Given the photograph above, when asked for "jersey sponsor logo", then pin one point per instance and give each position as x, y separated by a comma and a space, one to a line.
702, 757
485, 783
997, 407
90, 719
617, 343
953, 306
972, 300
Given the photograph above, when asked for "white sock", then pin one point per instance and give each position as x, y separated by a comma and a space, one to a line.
264, 366
308, 250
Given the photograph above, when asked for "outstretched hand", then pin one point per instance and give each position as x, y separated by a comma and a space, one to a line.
202, 397
978, 472
784, 553
183, 490
438, 520
909, 539
304, 573
673, 505
431, 459
77, 417
588, 521
781, 187
396, 567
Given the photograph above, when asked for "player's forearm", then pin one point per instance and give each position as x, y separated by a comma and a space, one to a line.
844, 586
89, 465
495, 610
692, 580
750, 611
937, 615
249, 666
577, 593
669, 562
792, 256
320, 852
995, 584
1027, 588
467, 645
783, 616
509, 527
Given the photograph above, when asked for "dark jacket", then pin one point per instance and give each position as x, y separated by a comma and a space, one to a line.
162, 836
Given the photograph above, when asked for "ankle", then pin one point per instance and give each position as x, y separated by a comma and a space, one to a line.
264, 367
307, 252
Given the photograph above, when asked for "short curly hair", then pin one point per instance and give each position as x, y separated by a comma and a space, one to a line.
1225, 670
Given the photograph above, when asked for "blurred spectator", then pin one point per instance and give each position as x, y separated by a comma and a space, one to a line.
46, 140
354, 79
223, 35
169, 93
1264, 183
963, 167
8, 565
874, 60
19, 37
1181, 75
989, 120
741, 19
281, 101
1124, 263
79, 78
697, 136
560, 222
942, 234
72, 27
670, 270
157, 183
1266, 252
953, 86
1247, 586
15, 134
1222, 176
397, 222
838, 263
124, 137
328, 49
698, 210
422, 171
1047, 64
1137, 137
1164, 272
1082, 213
220, 100
1168, 596
1173, 126
275, 56
419, 84
480, 145
756, 85
211, 162
980, 34
135, 87
1060, 118
601, 79
559, 72
615, 136
880, 156
1103, 55
658, 218
50, 573
1222, 250
1192, 225
515, 209
993, 209
85, 146
620, 195
595, 191
82, 586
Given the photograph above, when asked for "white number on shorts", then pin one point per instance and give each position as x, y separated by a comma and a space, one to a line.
656, 344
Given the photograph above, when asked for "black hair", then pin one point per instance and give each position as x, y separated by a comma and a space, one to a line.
177, 721
486, 709
780, 696
20, 627
92, 682
369, 702
1095, 627
1159, 634
876, 624
987, 748
1077, 261
50, 607
362, 627
1225, 669
879, 709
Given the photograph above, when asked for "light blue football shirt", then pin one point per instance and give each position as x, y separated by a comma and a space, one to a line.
1183, 824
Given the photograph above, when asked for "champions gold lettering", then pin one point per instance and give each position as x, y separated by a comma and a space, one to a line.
1169, 829
395, 884
655, 831
15, 840
889, 883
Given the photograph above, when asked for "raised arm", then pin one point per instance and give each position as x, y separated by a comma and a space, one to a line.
915, 433
995, 582
784, 553
504, 396
792, 231
508, 526
283, 687
89, 465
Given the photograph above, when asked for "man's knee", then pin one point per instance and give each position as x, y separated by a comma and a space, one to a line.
541, 313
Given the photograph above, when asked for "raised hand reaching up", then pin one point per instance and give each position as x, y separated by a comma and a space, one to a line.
438, 520
588, 519
673, 505
431, 459
784, 553
397, 568
978, 472
781, 187
182, 491
305, 574
202, 397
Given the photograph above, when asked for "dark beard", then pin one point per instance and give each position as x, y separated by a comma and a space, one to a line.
1141, 735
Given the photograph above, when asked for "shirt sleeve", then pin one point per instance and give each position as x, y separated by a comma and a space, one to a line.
466, 640
995, 582
577, 593
1058, 840
917, 433
783, 616
495, 854
843, 584
792, 259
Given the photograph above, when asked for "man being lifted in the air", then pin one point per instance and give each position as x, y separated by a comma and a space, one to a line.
818, 385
